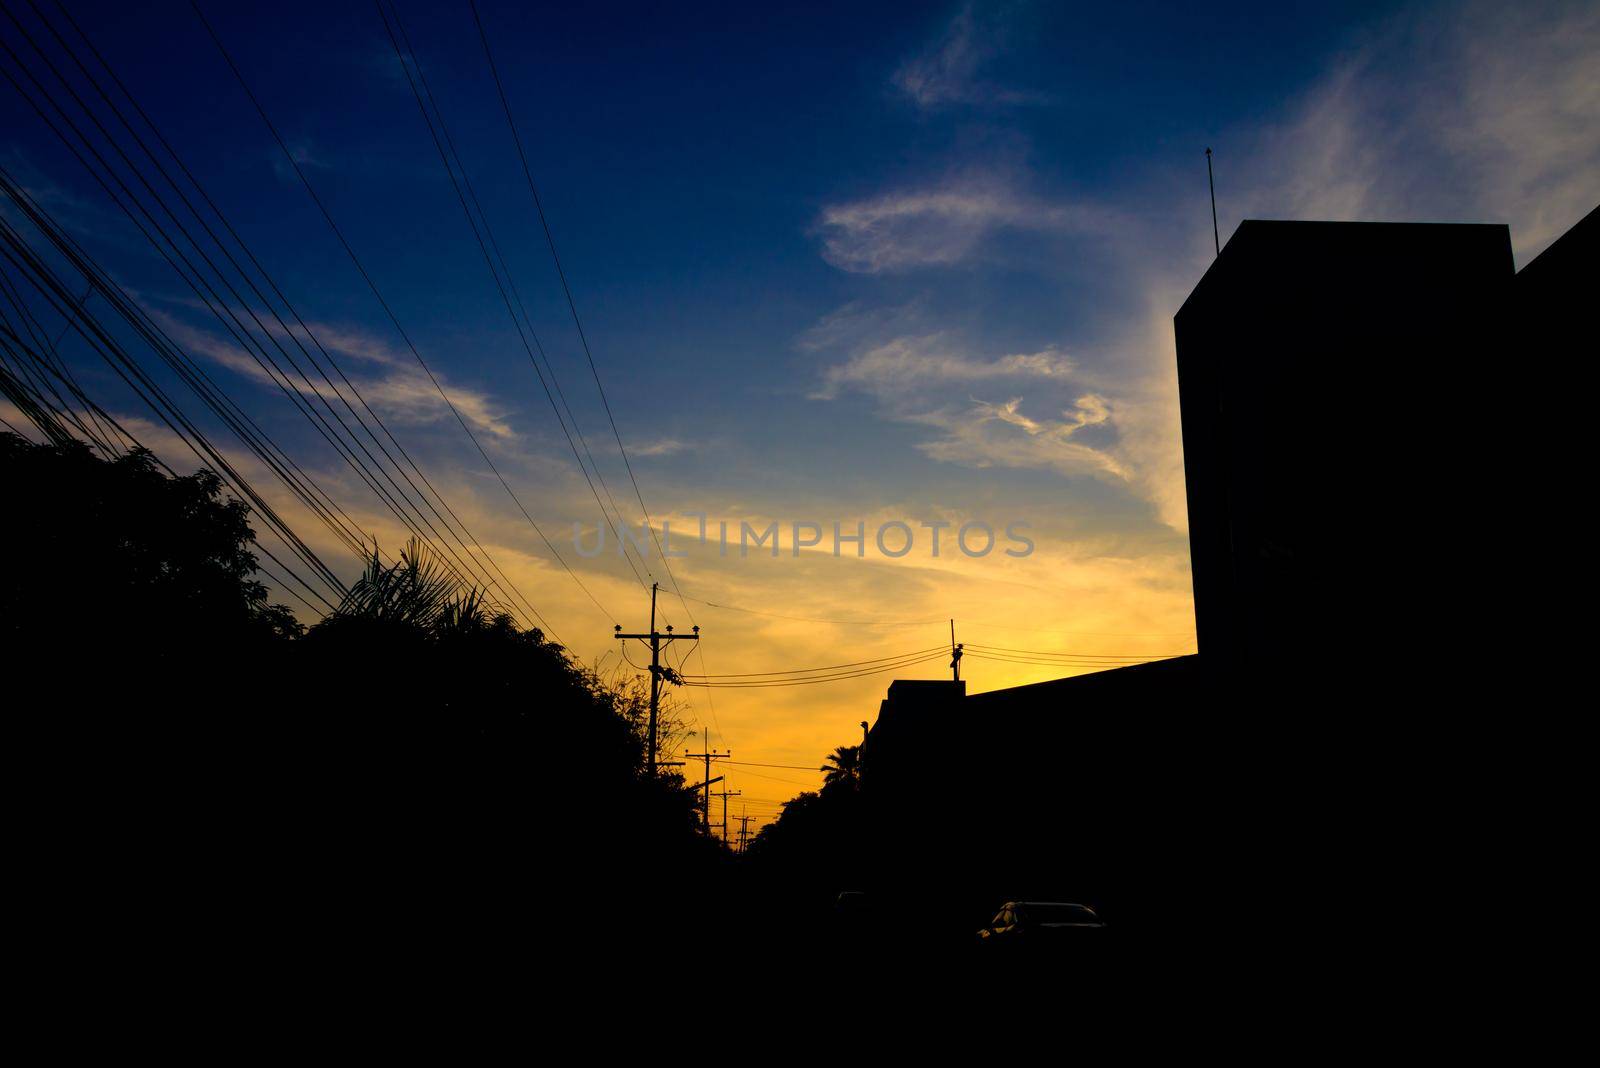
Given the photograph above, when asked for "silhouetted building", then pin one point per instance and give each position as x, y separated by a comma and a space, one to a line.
1330, 374
1351, 532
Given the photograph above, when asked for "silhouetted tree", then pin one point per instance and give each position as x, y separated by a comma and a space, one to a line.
842, 767
415, 780
121, 552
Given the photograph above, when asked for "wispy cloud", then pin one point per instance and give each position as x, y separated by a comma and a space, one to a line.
945, 224
357, 344
659, 447
949, 71
304, 158
1492, 114
990, 434
401, 392
918, 363
1489, 114
924, 379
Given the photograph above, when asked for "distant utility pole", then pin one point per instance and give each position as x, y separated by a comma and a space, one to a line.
744, 831
658, 674
1212, 182
955, 657
708, 756
725, 794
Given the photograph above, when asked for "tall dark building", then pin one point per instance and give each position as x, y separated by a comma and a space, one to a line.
1333, 380
1382, 433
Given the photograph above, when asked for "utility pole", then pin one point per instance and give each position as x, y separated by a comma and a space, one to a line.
955, 654
708, 756
658, 674
725, 794
744, 830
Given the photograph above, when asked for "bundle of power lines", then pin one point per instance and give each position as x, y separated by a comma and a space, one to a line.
57, 70
880, 665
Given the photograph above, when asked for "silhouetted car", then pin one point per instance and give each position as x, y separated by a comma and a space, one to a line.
852, 903
1038, 923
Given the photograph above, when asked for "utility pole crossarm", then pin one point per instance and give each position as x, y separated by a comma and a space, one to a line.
708, 756
657, 673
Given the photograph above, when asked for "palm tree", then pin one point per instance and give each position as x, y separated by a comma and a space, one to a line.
416, 591
843, 765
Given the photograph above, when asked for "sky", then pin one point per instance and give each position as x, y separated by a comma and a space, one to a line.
834, 263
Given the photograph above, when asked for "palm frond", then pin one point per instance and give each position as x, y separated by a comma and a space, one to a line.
415, 589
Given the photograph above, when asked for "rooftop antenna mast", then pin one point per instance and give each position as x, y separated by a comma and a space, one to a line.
1212, 182
955, 655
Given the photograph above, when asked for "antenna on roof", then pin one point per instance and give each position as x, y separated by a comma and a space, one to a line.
1213, 183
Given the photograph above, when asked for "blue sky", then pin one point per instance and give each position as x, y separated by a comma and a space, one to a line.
836, 262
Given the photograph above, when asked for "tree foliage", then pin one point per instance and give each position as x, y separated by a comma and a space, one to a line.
415, 766
842, 767
119, 545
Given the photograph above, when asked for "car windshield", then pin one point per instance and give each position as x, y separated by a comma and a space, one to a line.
1059, 914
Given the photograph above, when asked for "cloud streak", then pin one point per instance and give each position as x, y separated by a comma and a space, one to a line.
944, 225
948, 72
917, 363
918, 379
401, 392
659, 447
1489, 114
1000, 435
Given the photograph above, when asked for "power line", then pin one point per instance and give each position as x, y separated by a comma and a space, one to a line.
187, 371
930, 622
305, 328
1091, 664
774, 778
389, 311
19, 349
791, 767
1082, 656
985, 624
807, 681
100, 341
827, 667
572, 306
446, 149
549, 367
59, 297
811, 619
407, 512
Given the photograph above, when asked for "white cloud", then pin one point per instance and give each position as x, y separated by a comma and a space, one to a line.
1149, 445
944, 224
358, 344
948, 71
1489, 115
915, 379
660, 447
403, 392
1483, 114
917, 364
1000, 435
